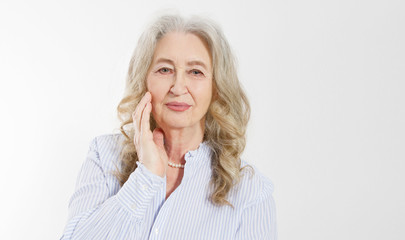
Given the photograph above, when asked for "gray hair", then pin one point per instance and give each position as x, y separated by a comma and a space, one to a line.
227, 116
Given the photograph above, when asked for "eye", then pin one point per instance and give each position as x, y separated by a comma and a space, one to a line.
164, 70
196, 72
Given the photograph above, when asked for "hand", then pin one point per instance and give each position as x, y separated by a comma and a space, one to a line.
149, 146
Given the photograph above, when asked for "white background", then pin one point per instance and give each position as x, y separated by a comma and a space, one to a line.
326, 85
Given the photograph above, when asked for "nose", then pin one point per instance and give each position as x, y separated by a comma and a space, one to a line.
179, 86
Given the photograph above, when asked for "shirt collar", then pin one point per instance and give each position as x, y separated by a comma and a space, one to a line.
200, 155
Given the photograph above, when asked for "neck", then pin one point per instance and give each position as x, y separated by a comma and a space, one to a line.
180, 141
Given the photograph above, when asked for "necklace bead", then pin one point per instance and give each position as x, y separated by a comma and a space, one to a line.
175, 165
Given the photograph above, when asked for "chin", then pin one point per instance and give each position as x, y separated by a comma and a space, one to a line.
169, 121
175, 124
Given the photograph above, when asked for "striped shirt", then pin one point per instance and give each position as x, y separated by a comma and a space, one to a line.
101, 209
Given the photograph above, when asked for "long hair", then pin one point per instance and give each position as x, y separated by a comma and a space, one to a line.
228, 113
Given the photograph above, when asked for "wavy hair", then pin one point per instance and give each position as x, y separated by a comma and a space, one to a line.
228, 113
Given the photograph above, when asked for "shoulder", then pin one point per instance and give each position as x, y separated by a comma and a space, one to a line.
253, 188
107, 147
107, 142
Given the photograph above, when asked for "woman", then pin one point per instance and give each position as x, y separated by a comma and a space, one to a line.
174, 171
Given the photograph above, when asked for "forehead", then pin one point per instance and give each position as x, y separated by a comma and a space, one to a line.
182, 47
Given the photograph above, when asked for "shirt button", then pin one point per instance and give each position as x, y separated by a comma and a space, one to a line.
144, 187
156, 230
133, 206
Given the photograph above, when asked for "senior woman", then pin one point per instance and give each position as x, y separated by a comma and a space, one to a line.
174, 171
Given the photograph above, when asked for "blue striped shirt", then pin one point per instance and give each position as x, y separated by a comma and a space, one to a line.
101, 209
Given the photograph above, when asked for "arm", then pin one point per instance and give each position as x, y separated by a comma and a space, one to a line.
95, 213
259, 218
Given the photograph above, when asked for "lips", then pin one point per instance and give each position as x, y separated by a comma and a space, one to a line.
178, 106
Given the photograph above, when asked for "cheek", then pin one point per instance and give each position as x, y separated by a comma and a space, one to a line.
157, 89
203, 91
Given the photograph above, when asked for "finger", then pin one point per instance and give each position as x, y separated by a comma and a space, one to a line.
137, 114
145, 125
159, 139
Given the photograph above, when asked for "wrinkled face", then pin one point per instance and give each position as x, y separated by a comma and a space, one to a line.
180, 81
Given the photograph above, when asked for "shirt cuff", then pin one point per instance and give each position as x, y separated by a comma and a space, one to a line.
139, 190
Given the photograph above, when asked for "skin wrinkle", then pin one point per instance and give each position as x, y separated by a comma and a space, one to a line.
173, 77
229, 111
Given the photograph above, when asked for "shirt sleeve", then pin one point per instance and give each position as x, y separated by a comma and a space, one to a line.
258, 219
96, 213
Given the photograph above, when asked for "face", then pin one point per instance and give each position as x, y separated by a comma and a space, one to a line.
180, 81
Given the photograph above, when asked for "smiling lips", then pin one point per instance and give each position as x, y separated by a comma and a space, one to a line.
178, 106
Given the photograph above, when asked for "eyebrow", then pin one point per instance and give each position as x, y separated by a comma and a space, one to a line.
189, 63
164, 60
197, 62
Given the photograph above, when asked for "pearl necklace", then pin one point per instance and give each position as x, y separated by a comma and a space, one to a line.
175, 165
